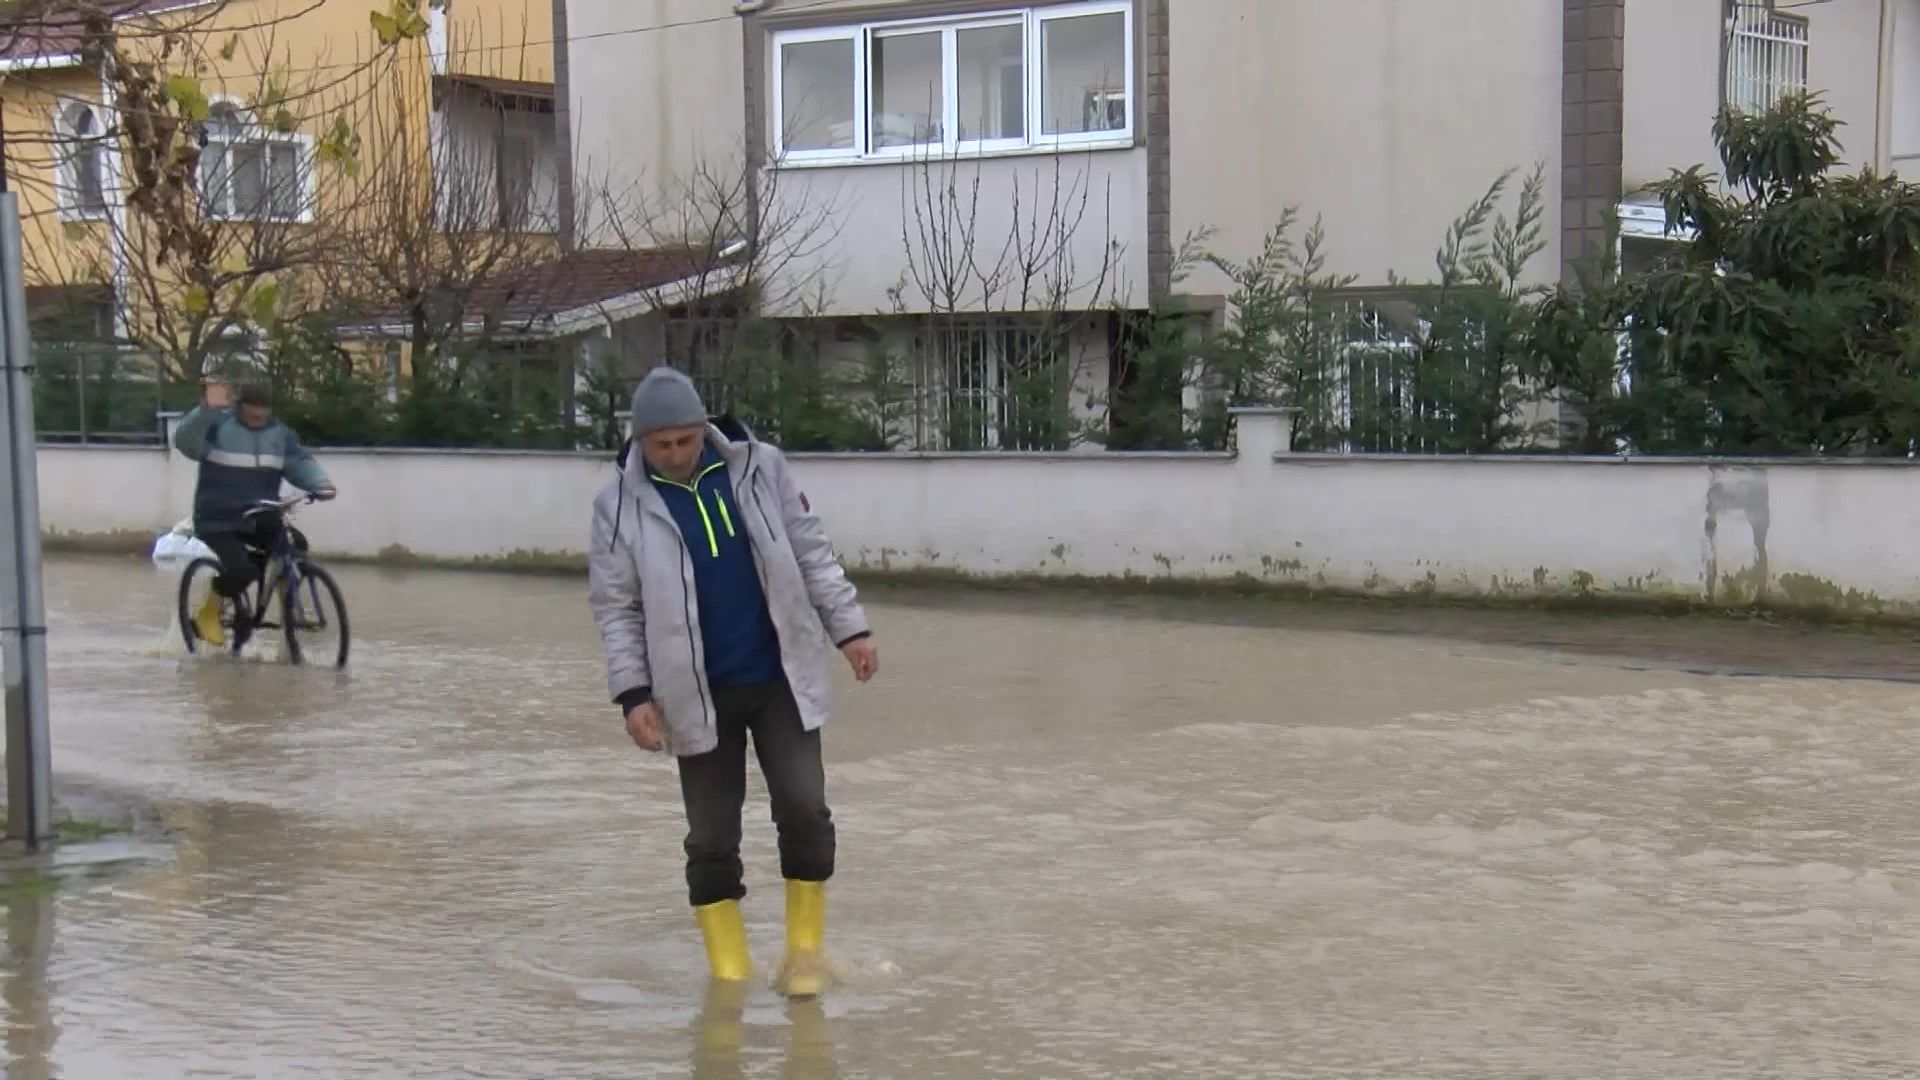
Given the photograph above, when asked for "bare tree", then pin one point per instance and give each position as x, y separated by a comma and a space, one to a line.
741, 265
1005, 303
207, 163
749, 247
441, 229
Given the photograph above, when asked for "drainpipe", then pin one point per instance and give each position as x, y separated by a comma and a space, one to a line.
116, 206
437, 106
437, 40
602, 359
1883, 91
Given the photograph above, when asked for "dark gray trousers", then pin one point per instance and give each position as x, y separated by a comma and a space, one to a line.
714, 787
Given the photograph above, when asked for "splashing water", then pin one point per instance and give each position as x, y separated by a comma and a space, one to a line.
173, 552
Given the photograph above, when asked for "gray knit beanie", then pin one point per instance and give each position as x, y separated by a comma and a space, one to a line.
666, 399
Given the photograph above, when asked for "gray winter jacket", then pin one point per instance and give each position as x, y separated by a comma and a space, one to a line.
642, 593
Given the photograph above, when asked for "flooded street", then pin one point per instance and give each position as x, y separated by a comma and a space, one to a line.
1071, 846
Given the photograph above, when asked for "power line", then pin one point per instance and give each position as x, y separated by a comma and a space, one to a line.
370, 63
601, 36
667, 25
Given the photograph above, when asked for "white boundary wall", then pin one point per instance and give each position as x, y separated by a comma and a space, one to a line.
1716, 530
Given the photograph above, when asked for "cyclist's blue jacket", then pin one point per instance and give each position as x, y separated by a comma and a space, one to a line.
240, 466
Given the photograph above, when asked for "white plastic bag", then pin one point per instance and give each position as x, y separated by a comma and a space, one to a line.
173, 551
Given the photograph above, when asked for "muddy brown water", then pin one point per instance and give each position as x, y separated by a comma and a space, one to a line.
1077, 841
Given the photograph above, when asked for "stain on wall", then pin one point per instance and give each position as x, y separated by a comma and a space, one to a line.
1734, 540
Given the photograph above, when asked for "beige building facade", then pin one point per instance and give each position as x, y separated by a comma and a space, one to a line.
923, 126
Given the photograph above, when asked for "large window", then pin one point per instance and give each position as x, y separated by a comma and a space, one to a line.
1036, 78
250, 173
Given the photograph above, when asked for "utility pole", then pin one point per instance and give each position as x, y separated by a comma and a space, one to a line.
23, 618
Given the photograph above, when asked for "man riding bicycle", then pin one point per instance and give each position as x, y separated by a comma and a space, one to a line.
244, 453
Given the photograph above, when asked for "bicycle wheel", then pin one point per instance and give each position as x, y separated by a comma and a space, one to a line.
314, 618
196, 588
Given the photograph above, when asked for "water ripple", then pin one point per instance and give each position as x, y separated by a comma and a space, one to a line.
1215, 851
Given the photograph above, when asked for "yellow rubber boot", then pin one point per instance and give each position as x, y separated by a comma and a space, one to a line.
803, 973
206, 622
726, 937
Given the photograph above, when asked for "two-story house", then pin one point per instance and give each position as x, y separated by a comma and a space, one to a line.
1091, 138
277, 76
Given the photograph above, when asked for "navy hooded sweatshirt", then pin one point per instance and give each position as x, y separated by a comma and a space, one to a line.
742, 648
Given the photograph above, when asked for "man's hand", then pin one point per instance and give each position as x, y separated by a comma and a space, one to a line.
643, 726
215, 394
864, 658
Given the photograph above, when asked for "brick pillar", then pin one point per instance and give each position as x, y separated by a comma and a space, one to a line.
1592, 106
1158, 116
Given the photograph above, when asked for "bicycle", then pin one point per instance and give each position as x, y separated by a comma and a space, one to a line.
304, 589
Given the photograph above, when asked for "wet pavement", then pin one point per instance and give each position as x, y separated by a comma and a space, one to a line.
1076, 841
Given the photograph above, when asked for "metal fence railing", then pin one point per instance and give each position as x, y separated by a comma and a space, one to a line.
1374, 379
1375, 392
1766, 56
1000, 387
1364, 377
101, 394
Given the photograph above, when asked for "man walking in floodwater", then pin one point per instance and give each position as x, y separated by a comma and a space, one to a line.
719, 602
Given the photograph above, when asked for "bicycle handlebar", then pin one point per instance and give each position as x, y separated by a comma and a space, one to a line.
265, 505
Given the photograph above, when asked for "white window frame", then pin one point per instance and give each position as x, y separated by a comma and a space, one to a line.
72, 154
1648, 221
1032, 21
1640, 221
251, 132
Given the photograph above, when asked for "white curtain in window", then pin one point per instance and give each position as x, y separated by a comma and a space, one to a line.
908, 93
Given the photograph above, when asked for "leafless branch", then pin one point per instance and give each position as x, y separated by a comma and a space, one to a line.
440, 232
749, 248
1003, 298
201, 187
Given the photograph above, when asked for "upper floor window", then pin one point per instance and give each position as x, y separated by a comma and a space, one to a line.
1766, 56
251, 173
495, 155
83, 161
1053, 77
513, 182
